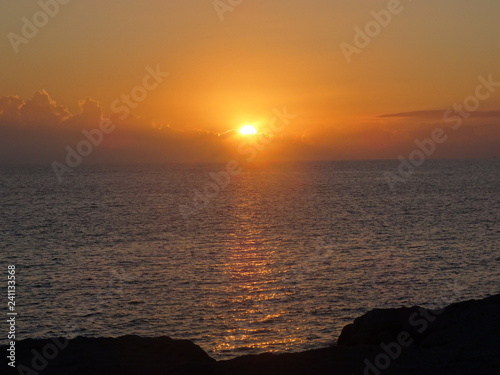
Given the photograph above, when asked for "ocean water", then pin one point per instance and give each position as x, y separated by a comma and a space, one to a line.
278, 260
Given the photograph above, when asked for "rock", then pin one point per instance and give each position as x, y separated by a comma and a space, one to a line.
379, 325
474, 322
125, 355
462, 339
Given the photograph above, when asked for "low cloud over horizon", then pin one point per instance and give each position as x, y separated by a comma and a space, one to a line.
436, 114
40, 130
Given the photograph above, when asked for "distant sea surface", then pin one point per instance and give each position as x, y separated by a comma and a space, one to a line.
280, 259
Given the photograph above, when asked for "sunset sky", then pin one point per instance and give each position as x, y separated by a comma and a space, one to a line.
232, 67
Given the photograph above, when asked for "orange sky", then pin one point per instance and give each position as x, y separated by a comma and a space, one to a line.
235, 65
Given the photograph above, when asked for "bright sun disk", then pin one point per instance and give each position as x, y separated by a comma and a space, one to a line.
248, 129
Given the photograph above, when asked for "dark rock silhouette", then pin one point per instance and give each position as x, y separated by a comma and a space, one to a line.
461, 339
123, 355
379, 325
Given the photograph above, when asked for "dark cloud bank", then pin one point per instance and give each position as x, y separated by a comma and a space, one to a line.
40, 131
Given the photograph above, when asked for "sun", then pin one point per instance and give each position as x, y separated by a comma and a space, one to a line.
248, 130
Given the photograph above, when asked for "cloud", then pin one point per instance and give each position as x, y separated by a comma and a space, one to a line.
41, 109
477, 137
39, 130
9, 109
90, 111
438, 114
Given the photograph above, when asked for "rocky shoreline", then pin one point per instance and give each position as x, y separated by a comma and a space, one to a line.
463, 338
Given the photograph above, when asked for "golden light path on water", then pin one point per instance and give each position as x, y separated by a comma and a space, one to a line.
280, 261
255, 284
255, 313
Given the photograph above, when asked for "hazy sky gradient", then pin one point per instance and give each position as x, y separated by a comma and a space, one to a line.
264, 55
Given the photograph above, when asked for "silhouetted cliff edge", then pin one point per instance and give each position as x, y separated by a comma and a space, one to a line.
464, 338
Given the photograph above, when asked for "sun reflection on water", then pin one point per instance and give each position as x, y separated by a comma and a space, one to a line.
255, 310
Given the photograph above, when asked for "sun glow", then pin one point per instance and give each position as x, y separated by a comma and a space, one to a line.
248, 130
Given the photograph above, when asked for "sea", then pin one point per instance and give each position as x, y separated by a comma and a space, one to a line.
272, 257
